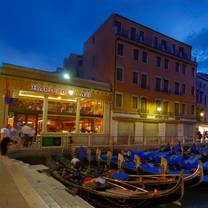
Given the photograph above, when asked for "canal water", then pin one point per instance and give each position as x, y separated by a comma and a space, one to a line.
192, 199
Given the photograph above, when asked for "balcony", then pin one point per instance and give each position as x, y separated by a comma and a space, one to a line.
149, 42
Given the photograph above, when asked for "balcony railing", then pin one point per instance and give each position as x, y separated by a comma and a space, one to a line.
149, 42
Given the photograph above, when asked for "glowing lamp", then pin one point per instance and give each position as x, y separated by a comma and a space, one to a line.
202, 114
66, 76
159, 109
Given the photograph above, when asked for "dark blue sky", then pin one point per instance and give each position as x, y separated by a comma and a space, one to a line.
41, 33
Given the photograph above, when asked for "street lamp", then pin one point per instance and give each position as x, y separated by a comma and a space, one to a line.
66, 75
159, 109
202, 114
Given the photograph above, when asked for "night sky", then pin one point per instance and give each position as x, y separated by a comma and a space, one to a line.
41, 33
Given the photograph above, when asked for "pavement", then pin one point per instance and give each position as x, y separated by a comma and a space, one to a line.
21, 186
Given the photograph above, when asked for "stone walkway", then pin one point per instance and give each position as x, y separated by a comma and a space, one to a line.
10, 196
21, 186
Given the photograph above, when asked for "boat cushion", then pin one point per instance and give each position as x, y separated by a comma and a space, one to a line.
120, 176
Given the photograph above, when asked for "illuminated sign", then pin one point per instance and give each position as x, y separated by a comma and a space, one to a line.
60, 91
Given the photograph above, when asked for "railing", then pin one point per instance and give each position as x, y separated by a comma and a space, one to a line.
68, 142
148, 42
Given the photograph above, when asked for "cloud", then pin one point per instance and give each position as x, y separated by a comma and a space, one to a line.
199, 42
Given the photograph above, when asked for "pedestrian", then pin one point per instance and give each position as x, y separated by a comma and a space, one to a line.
31, 137
75, 162
26, 133
5, 139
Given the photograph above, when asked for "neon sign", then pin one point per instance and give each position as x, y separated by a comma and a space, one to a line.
70, 92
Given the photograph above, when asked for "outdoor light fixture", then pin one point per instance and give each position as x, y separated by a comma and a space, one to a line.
66, 76
159, 109
70, 92
202, 114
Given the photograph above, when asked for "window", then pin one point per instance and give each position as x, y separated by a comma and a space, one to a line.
119, 100
155, 42
177, 88
158, 64
181, 51
183, 90
165, 107
177, 69
193, 90
177, 109
144, 57
192, 109
119, 74
93, 60
157, 84
118, 26
135, 54
164, 45
144, 105
134, 102
200, 97
133, 33
193, 72
174, 49
166, 86
197, 95
183, 69
144, 81
120, 49
183, 109
200, 84
166, 63
141, 36
135, 78
158, 105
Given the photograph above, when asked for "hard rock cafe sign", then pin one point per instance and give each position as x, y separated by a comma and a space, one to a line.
60, 91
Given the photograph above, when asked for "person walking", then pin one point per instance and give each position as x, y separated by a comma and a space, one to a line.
26, 133
5, 139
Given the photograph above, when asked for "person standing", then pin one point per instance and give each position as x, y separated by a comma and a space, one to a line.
31, 137
5, 139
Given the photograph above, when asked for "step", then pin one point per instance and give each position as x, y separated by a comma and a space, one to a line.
52, 187
31, 196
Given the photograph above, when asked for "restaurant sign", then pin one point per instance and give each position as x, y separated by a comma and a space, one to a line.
60, 91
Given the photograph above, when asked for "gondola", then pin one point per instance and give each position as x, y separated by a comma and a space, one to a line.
120, 194
191, 179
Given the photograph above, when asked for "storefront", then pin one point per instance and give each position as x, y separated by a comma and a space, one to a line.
50, 104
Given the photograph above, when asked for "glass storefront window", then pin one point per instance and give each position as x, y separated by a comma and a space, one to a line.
60, 124
61, 114
26, 105
61, 107
91, 125
91, 107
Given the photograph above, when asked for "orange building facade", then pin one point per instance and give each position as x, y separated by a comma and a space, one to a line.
52, 105
153, 79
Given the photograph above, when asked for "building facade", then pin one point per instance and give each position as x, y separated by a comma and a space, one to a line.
52, 105
202, 101
153, 80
